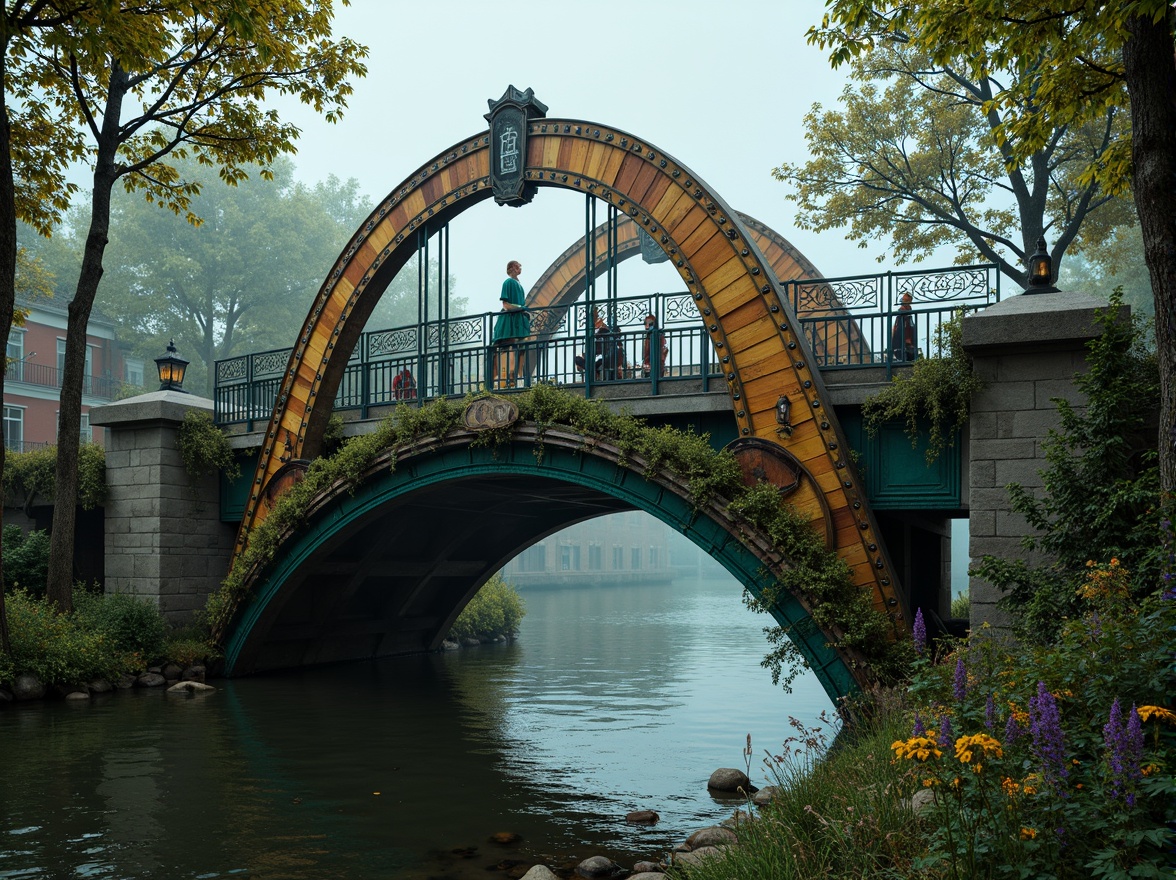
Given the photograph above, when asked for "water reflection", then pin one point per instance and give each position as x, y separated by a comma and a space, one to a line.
613, 699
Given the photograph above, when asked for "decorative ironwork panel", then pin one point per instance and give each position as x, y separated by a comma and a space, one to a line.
680, 308
233, 370
969, 284
549, 322
460, 331
270, 362
400, 340
631, 313
837, 296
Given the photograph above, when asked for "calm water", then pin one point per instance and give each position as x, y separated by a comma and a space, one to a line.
612, 700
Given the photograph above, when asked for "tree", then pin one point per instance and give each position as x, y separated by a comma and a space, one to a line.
1116, 261
913, 154
1099, 55
240, 281
160, 83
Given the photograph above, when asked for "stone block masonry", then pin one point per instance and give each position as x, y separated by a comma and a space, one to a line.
164, 537
1027, 349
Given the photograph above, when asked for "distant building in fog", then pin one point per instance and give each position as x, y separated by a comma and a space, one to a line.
624, 548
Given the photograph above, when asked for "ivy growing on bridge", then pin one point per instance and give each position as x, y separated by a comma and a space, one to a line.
816, 575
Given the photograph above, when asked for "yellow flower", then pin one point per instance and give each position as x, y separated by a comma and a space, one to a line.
917, 748
982, 743
1146, 713
1028, 833
1010, 788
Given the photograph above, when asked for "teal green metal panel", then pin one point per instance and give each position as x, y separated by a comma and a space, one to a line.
234, 494
896, 474
564, 465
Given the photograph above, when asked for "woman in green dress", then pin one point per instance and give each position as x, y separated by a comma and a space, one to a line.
510, 327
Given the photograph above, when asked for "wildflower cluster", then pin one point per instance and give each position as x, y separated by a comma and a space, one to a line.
1052, 761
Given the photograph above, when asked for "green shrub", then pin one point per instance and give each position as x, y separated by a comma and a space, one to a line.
57, 648
204, 447
26, 559
129, 623
30, 477
961, 606
496, 610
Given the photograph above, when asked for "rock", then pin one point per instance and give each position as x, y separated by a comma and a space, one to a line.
540, 872
505, 838
194, 672
66, 690
156, 669
716, 835
924, 799
697, 856
100, 686
28, 687
736, 819
78, 695
599, 866
647, 875
172, 672
646, 868
150, 680
642, 817
125, 682
729, 779
190, 687
764, 796
450, 645
470, 642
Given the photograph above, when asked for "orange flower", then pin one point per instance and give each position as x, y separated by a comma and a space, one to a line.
1147, 713
1028, 833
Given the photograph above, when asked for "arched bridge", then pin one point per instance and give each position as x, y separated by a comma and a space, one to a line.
767, 365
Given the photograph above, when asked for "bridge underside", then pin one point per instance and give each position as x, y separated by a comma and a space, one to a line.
393, 581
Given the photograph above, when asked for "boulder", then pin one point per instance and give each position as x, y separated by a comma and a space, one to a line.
697, 856
924, 799
190, 687
126, 681
100, 686
599, 866
764, 796
647, 875
540, 872
470, 642
505, 838
195, 672
642, 817
646, 868
150, 680
716, 835
172, 672
78, 695
66, 691
729, 779
736, 819
450, 645
28, 687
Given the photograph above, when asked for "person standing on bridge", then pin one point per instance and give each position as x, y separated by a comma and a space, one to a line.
654, 341
903, 345
510, 327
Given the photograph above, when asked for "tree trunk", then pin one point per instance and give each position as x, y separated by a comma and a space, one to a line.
1149, 64
7, 288
59, 588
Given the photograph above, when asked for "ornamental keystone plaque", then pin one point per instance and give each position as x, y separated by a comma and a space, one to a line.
489, 412
508, 118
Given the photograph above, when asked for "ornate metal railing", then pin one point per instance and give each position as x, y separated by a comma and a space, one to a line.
102, 387
848, 321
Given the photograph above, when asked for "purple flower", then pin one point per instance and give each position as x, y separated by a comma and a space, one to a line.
1124, 752
959, 684
1012, 730
990, 713
945, 737
919, 632
919, 728
1094, 623
1049, 746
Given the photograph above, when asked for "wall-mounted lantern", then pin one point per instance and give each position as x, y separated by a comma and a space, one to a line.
171, 369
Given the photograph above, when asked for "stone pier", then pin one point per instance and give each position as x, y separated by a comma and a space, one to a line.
164, 536
1027, 349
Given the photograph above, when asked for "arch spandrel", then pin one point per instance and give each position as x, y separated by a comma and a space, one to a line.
749, 321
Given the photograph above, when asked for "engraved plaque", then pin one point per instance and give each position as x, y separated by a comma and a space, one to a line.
489, 412
508, 119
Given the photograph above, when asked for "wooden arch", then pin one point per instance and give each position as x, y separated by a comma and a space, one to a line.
768, 367
564, 281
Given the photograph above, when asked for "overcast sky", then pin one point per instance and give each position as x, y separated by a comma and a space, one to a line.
723, 88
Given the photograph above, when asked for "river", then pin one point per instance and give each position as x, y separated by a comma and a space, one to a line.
613, 699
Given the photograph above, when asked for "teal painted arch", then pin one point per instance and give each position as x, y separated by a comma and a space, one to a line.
568, 460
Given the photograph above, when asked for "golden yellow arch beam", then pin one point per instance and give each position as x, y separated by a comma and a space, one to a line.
765, 360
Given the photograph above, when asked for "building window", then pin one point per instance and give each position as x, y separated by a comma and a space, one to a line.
636, 559
595, 557
15, 355
14, 428
565, 557
133, 371
618, 557
89, 368
654, 557
87, 432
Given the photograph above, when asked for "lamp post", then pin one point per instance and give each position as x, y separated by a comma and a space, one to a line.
171, 369
1040, 270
